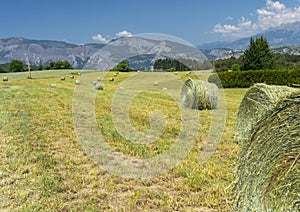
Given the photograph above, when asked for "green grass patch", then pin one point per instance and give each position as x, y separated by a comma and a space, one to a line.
43, 166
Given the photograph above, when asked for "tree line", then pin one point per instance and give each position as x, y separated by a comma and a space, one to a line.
19, 66
170, 65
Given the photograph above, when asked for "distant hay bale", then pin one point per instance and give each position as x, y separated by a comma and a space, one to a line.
71, 77
115, 75
5, 79
155, 83
99, 86
164, 89
258, 101
111, 79
53, 85
176, 73
198, 94
99, 79
94, 82
62, 78
79, 74
77, 82
268, 170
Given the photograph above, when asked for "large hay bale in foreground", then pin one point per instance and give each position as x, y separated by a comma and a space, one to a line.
258, 101
268, 170
198, 94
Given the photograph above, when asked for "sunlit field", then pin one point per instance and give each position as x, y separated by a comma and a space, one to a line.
44, 167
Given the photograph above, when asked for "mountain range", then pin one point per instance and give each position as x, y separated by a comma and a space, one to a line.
284, 35
44, 51
140, 52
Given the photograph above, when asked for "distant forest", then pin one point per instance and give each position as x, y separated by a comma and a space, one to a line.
19, 66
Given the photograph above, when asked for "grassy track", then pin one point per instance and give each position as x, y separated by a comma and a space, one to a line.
43, 166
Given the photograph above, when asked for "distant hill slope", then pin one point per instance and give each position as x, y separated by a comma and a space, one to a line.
141, 53
44, 51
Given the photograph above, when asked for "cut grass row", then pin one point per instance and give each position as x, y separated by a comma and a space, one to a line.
43, 166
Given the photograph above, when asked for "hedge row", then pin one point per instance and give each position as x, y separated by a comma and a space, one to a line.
245, 79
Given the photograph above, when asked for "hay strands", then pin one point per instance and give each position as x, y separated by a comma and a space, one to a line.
198, 94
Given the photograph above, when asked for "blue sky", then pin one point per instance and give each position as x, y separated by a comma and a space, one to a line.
196, 21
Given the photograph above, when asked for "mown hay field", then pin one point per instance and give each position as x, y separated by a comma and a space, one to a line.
43, 165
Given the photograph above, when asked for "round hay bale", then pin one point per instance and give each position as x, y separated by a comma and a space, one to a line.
62, 78
99, 79
198, 94
94, 82
5, 79
77, 82
111, 79
268, 170
99, 86
71, 77
79, 74
115, 75
155, 83
53, 85
258, 101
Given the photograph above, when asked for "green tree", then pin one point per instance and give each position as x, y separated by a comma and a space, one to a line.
235, 67
59, 65
226, 64
2, 70
16, 66
67, 65
170, 65
47, 67
258, 55
122, 67
40, 67
52, 64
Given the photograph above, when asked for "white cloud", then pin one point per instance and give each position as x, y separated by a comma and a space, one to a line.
229, 18
227, 28
242, 29
107, 38
275, 5
273, 14
124, 34
99, 37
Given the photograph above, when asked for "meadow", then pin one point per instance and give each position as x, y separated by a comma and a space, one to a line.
44, 166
